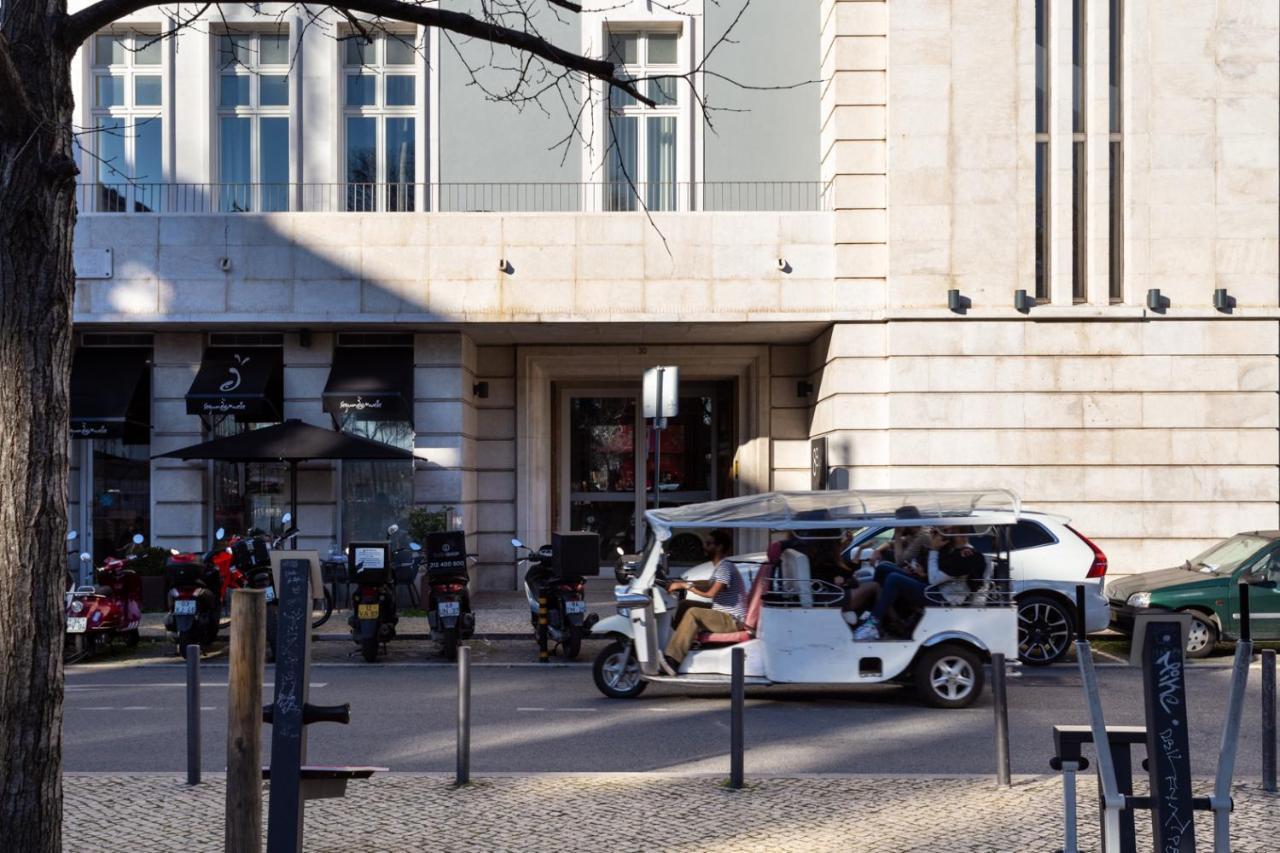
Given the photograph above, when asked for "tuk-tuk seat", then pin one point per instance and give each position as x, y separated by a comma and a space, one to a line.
755, 597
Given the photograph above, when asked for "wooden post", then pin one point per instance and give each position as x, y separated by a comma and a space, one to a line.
244, 721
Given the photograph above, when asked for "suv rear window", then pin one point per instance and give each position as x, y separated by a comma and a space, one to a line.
1026, 534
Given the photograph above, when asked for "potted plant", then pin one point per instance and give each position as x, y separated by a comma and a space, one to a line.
150, 568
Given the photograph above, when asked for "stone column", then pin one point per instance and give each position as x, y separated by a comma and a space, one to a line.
178, 510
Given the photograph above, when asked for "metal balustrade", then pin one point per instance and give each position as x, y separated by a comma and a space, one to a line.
472, 197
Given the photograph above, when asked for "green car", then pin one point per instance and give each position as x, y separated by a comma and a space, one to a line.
1207, 587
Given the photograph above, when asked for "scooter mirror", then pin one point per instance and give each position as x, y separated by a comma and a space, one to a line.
71, 535
393, 530
621, 552
138, 539
286, 518
174, 551
414, 546
219, 533
516, 543
85, 556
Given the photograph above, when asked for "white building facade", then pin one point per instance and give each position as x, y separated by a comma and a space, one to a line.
376, 247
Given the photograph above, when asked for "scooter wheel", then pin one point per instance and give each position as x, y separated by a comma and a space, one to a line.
369, 648
572, 644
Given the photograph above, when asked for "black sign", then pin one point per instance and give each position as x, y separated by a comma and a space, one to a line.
1168, 749
288, 744
818, 463
447, 553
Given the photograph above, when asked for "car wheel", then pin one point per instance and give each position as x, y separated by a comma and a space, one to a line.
617, 672
1202, 636
949, 676
1044, 630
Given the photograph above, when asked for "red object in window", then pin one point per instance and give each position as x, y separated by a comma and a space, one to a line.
1099, 567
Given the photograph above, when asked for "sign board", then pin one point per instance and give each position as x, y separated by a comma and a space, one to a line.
368, 561
91, 263
288, 735
447, 553
1168, 743
312, 558
818, 463
662, 392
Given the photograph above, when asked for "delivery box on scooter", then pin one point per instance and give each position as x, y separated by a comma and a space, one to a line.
369, 562
575, 555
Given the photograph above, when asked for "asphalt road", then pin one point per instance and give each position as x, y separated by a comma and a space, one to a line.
131, 717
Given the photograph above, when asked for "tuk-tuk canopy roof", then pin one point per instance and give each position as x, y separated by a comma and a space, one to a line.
847, 509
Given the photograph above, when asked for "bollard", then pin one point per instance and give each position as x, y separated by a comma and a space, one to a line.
544, 656
193, 715
737, 699
463, 775
1000, 696
244, 720
1269, 720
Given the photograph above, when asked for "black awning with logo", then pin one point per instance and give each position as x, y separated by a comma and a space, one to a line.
375, 383
111, 393
244, 382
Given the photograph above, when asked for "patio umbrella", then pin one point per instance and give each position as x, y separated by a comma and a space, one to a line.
291, 442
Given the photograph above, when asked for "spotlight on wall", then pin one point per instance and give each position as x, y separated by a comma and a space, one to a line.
784, 266
958, 303
481, 390
804, 389
1157, 301
1223, 301
505, 266
1022, 302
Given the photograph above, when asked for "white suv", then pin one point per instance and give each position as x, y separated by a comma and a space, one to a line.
1047, 561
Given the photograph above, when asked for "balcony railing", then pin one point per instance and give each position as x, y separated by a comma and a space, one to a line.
454, 197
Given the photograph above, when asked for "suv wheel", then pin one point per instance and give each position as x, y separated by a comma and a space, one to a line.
1044, 630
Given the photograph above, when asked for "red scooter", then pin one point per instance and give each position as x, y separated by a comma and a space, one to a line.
111, 608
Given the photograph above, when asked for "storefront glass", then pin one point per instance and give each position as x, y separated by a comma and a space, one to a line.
247, 494
376, 494
121, 498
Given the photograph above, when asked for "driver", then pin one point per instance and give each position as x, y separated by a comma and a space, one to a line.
728, 596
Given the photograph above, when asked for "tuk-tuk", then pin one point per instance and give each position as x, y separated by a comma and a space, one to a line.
796, 630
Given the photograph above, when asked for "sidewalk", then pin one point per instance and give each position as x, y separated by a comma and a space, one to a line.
636, 812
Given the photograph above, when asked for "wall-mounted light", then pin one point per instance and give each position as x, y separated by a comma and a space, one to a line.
958, 303
804, 389
224, 264
481, 390
784, 266
1223, 301
1157, 301
505, 266
1022, 302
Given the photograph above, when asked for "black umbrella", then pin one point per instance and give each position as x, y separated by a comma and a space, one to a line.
291, 442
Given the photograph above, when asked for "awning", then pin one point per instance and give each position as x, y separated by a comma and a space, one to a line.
246, 383
291, 441
375, 383
111, 393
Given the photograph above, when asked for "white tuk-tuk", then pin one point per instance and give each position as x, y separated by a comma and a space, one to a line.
795, 631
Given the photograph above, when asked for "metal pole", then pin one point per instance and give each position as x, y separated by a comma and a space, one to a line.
737, 699
1220, 801
1001, 697
244, 720
544, 655
293, 498
1269, 720
1069, 769
193, 715
463, 776
657, 445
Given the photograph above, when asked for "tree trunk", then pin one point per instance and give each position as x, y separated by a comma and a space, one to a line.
37, 217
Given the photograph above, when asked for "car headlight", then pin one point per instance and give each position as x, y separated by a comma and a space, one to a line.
77, 606
1139, 600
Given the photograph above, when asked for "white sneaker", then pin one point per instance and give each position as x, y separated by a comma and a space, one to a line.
868, 630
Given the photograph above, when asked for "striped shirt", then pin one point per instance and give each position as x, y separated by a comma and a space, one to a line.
733, 598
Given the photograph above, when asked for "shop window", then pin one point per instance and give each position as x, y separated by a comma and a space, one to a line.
247, 494
121, 496
377, 493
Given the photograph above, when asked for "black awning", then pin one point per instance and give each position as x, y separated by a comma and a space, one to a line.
111, 393
244, 382
375, 383
291, 441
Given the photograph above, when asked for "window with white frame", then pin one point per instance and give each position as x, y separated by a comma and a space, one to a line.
379, 121
643, 146
127, 139
253, 120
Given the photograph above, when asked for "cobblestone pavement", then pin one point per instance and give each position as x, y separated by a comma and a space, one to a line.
634, 812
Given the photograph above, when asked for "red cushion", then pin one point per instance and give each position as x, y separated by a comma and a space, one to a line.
724, 639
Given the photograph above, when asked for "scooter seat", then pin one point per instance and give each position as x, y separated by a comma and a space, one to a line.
723, 639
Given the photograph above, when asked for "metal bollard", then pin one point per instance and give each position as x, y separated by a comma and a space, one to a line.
463, 775
193, 715
1000, 696
737, 700
1269, 720
544, 655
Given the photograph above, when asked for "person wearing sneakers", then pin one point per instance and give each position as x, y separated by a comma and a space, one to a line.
728, 608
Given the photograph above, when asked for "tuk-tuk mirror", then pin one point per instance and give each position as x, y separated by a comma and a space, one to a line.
138, 539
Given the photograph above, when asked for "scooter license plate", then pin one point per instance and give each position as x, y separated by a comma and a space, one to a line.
185, 607
366, 611
77, 624
448, 608
271, 594
575, 607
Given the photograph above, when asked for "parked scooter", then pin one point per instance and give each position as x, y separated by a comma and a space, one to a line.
448, 599
110, 608
373, 605
194, 585
566, 598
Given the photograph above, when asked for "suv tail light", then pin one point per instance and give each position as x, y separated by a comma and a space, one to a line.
1099, 567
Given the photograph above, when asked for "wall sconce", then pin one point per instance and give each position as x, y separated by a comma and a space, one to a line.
1022, 302
505, 266
957, 303
784, 266
1223, 301
1156, 301
481, 390
804, 389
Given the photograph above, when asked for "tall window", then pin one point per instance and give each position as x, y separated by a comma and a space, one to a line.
1043, 293
642, 140
127, 142
376, 493
380, 87
1115, 280
253, 121
1079, 160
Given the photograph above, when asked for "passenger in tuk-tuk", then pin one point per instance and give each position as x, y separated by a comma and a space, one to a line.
953, 567
728, 610
905, 552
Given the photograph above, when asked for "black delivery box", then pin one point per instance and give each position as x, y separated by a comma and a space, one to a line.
368, 562
447, 553
575, 555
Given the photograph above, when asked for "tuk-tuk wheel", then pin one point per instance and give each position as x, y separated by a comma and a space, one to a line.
949, 675
617, 672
